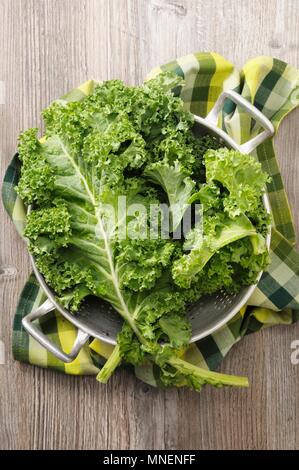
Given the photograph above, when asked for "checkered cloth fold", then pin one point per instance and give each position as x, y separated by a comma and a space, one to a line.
273, 87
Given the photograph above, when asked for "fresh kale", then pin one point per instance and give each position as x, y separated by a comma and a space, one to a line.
137, 143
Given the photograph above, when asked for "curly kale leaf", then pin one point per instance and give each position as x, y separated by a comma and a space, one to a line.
37, 176
176, 184
218, 231
241, 175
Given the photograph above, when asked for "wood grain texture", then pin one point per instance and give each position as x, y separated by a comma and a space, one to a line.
48, 47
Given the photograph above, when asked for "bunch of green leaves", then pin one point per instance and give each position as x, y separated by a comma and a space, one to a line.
137, 142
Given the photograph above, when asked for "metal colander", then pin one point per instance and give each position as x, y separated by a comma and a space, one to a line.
98, 319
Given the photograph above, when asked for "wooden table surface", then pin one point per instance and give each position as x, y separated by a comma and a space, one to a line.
47, 47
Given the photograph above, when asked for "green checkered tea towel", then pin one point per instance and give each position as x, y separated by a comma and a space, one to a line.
273, 87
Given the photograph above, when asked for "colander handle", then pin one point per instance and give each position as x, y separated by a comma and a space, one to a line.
267, 125
38, 335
